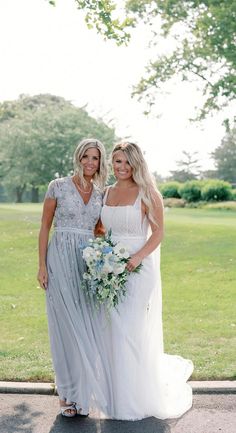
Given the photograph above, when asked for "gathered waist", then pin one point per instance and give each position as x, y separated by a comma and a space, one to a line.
74, 230
129, 237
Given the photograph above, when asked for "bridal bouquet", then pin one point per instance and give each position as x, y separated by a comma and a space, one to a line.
106, 274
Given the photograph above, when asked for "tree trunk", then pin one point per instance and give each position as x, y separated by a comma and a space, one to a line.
34, 194
19, 193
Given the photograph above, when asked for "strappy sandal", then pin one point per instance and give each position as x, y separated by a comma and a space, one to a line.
71, 407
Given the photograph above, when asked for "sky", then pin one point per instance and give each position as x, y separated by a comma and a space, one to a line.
47, 49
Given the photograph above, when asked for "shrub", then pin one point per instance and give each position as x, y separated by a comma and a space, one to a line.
191, 190
195, 204
170, 189
174, 202
234, 194
226, 205
216, 190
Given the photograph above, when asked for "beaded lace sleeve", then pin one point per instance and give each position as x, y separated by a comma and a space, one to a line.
51, 191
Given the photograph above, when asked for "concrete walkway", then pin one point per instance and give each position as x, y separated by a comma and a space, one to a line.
24, 413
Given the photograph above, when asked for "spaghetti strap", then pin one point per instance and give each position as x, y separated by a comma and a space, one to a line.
138, 200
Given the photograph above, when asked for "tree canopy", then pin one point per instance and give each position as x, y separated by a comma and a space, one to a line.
225, 157
38, 139
202, 33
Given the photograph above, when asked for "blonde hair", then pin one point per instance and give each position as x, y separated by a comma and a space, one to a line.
141, 174
100, 176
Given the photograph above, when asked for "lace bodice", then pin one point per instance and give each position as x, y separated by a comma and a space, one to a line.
125, 221
71, 211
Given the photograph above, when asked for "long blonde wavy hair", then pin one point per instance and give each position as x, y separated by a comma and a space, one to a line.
141, 175
100, 176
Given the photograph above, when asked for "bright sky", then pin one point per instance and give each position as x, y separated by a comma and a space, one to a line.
50, 50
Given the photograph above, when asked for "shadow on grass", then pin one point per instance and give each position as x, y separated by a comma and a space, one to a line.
23, 421
90, 425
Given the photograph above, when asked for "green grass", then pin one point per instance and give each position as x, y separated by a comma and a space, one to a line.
24, 338
198, 275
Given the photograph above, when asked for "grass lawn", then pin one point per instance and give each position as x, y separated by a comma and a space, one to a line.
198, 275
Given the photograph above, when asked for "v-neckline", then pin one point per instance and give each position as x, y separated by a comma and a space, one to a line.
80, 196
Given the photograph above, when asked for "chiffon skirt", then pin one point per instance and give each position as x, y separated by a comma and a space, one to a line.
144, 381
73, 324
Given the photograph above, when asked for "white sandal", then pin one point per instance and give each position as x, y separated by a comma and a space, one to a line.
64, 410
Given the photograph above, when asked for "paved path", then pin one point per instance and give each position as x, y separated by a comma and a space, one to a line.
24, 413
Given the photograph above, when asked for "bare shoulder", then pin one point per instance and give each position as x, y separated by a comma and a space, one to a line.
109, 188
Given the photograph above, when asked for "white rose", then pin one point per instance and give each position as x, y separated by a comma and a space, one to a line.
88, 252
106, 269
118, 269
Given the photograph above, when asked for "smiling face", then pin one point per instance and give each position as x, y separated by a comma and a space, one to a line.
90, 162
121, 166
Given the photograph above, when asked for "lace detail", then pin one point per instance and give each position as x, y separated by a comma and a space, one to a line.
71, 210
125, 220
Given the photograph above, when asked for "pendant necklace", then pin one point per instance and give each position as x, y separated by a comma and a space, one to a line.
82, 190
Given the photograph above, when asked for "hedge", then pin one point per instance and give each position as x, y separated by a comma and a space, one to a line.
217, 190
170, 189
194, 191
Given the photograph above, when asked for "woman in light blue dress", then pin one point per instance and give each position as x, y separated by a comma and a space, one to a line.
74, 204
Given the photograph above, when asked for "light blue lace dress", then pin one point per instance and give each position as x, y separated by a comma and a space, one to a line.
71, 318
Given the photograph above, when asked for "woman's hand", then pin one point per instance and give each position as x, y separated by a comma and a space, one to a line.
99, 229
43, 277
133, 262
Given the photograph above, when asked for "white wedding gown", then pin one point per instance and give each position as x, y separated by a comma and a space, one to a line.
142, 380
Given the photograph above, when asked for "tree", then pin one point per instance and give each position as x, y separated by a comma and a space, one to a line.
209, 174
225, 157
203, 35
38, 137
189, 168
158, 178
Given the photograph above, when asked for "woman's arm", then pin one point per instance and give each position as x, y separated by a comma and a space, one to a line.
156, 236
46, 223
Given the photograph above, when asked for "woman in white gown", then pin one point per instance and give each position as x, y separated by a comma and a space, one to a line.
143, 381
